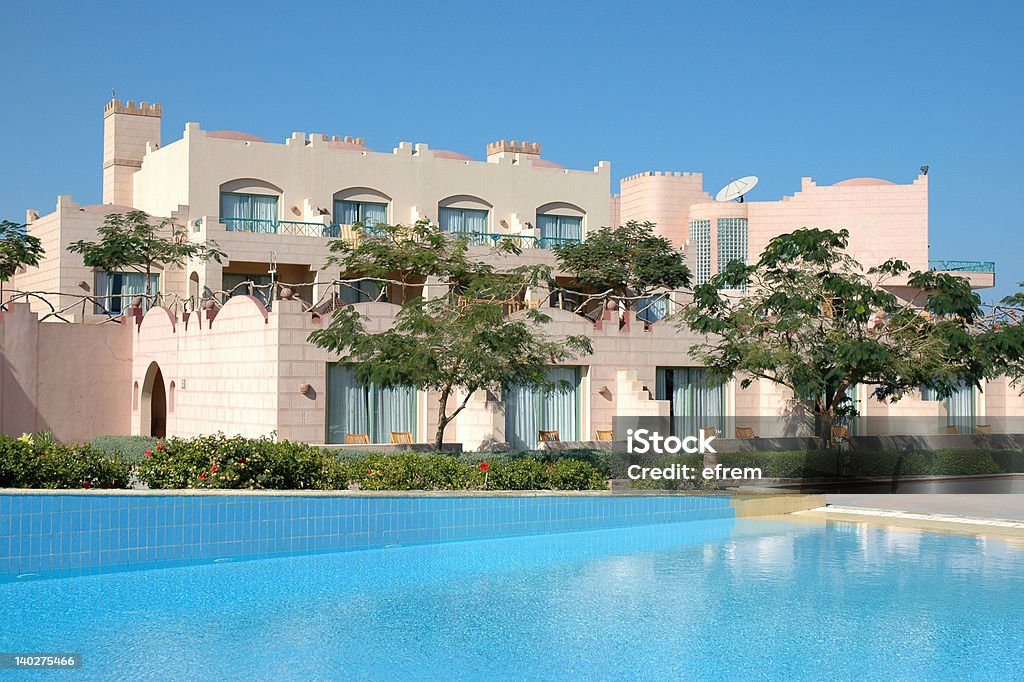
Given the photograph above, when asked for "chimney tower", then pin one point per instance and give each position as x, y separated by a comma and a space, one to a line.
127, 130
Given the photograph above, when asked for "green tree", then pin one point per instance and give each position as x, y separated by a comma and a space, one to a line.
814, 321
131, 241
17, 249
1001, 338
624, 263
463, 338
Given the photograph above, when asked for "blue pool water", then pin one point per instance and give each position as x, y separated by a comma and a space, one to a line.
746, 599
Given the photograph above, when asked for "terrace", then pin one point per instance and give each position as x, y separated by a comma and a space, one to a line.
981, 274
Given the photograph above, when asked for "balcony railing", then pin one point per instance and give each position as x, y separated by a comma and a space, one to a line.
962, 265
351, 235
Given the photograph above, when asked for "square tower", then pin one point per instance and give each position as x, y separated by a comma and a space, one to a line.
127, 131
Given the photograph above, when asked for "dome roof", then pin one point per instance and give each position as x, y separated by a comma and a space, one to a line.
544, 163
234, 135
355, 146
448, 154
863, 182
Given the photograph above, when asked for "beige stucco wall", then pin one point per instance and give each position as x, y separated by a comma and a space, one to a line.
71, 379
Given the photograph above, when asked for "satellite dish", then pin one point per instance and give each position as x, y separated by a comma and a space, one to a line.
736, 189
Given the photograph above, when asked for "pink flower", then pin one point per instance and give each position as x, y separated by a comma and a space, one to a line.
148, 453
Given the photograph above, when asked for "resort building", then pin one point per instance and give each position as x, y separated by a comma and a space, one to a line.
221, 350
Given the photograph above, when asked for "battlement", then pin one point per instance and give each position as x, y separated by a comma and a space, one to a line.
115, 106
514, 147
662, 174
348, 139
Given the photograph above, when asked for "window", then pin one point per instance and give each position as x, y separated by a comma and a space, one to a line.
248, 212
232, 282
528, 411
650, 309
695, 404
732, 241
700, 238
559, 229
960, 408
365, 212
358, 408
116, 290
463, 220
361, 291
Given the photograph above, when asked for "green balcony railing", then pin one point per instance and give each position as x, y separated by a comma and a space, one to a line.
962, 265
552, 242
522, 241
301, 229
256, 225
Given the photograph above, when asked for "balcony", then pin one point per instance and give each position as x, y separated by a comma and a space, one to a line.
350, 234
980, 273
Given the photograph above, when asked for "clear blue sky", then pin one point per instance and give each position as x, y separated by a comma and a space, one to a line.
829, 90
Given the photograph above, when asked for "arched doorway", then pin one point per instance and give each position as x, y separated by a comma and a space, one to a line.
154, 403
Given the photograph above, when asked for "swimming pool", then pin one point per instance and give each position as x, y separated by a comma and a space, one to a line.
721, 598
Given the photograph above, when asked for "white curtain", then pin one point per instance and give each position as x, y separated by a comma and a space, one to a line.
463, 220
695, 403
121, 288
367, 213
558, 229
348, 409
528, 411
394, 410
960, 408
650, 309
248, 212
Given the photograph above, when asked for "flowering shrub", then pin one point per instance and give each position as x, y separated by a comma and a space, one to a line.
37, 461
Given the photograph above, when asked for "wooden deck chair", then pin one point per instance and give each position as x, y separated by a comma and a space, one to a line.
605, 434
709, 431
548, 436
951, 430
401, 437
357, 439
984, 429
745, 432
840, 432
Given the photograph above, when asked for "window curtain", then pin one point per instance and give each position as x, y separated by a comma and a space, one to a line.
356, 408
462, 220
960, 408
694, 403
248, 212
122, 288
351, 212
528, 410
650, 309
556, 229
394, 410
348, 409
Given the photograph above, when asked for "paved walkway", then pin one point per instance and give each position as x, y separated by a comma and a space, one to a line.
1007, 506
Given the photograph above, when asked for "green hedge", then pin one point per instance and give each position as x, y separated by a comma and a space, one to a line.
222, 462
132, 447
37, 461
828, 463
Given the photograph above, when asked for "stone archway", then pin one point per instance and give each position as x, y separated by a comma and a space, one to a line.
154, 403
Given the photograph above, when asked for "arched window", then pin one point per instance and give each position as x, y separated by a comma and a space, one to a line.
361, 205
464, 214
559, 223
249, 205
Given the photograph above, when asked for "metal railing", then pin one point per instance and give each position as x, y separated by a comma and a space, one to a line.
300, 229
255, 225
962, 265
552, 242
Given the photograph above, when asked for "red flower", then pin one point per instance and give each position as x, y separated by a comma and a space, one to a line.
551, 468
241, 460
214, 468
160, 447
368, 472
148, 453
202, 476
87, 483
484, 466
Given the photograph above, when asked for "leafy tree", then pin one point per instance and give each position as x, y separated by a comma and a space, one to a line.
131, 241
1001, 338
17, 248
460, 339
625, 263
815, 322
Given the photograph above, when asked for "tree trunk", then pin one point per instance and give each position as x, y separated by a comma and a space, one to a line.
442, 418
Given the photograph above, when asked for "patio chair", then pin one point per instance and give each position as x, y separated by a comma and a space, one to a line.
840, 432
605, 434
709, 431
984, 429
548, 436
357, 439
401, 437
745, 432
951, 430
